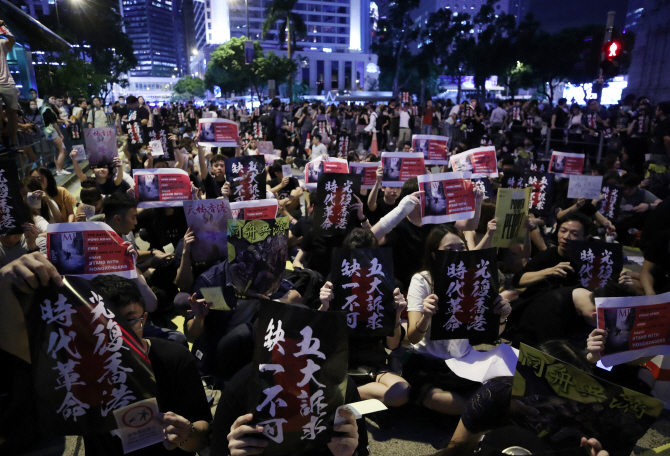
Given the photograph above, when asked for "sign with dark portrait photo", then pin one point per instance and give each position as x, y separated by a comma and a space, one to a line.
299, 376
162, 187
466, 285
636, 327
481, 160
447, 197
86, 360
367, 171
433, 148
363, 288
569, 403
208, 219
218, 132
101, 146
334, 195
13, 211
596, 263
401, 166
88, 249
247, 177
321, 165
253, 210
257, 253
564, 164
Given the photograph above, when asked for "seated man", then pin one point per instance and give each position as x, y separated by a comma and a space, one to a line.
655, 274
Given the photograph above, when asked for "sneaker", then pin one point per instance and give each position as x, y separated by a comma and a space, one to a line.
63, 173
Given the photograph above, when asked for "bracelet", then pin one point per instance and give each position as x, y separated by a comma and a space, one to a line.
416, 326
502, 323
189, 435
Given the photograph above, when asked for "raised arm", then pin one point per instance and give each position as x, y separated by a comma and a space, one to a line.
77, 169
372, 197
119, 171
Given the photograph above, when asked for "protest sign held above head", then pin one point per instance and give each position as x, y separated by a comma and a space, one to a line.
334, 195
511, 214
101, 146
13, 211
81, 152
596, 263
257, 253
433, 148
564, 164
565, 397
484, 185
585, 186
610, 203
156, 148
447, 197
87, 360
513, 179
401, 166
321, 165
88, 249
253, 210
542, 189
363, 288
218, 133
159, 136
162, 187
367, 171
247, 177
466, 285
208, 219
539, 166
479, 161
265, 147
299, 376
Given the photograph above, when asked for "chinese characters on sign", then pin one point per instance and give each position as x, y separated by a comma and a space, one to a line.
12, 209
597, 262
208, 219
247, 177
334, 196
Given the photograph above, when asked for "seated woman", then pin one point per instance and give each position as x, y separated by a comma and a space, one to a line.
434, 385
368, 356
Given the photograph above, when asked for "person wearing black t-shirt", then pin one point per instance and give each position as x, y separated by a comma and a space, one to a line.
134, 121
286, 189
379, 206
214, 182
105, 180
662, 129
655, 274
559, 120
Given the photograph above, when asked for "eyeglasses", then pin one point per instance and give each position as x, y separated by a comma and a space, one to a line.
136, 320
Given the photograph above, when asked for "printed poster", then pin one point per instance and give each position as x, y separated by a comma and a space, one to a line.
564, 164
88, 249
448, 197
81, 152
585, 186
466, 289
316, 167
247, 177
101, 146
299, 376
636, 327
253, 210
610, 205
367, 171
596, 263
568, 403
257, 253
433, 148
334, 195
138, 425
216, 132
208, 219
162, 187
265, 147
363, 288
163, 148
13, 212
511, 213
401, 166
481, 160
86, 360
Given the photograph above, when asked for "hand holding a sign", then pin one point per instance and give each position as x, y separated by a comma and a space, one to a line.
380, 173
345, 445
189, 239
642, 207
625, 279
594, 447
131, 250
560, 270
31, 271
30, 232
238, 442
326, 295
225, 190
479, 195
503, 308
400, 303
595, 344
176, 429
199, 308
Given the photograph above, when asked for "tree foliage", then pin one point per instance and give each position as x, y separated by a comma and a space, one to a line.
195, 87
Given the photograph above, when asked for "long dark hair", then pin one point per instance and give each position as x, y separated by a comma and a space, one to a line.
52, 188
359, 238
432, 245
32, 185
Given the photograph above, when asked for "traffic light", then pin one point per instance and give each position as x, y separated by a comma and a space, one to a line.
611, 65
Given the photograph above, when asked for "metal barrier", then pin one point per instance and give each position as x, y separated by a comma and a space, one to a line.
556, 144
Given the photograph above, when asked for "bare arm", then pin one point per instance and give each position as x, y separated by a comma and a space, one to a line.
372, 197
119, 171
202, 162
150, 300
297, 262
77, 169
646, 278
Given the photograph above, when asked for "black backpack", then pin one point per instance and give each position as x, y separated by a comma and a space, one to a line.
308, 283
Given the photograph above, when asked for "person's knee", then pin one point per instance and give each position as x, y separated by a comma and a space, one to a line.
397, 394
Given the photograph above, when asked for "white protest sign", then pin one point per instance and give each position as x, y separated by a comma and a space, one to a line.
585, 186
215, 296
286, 170
359, 409
156, 148
138, 425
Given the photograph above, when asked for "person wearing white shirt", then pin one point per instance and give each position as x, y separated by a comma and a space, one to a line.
404, 132
318, 149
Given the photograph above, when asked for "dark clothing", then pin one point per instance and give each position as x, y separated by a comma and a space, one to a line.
408, 242
488, 408
179, 390
234, 403
382, 209
320, 248
561, 117
285, 192
162, 229
661, 130
109, 186
544, 260
658, 253
212, 186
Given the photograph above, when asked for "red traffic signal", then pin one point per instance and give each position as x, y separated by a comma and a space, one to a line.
612, 49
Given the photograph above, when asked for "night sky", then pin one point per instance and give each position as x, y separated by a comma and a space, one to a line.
556, 15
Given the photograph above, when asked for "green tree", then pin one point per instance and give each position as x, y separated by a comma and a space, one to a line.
290, 24
195, 87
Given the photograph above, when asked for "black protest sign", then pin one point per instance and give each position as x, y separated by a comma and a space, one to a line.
363, 288
257, 253
334, 194
568, 403
513, 179
299, 377
13, 211
610, 205
87, 361
247, 177
466, 284
160, 133
542, 189
483, 184
596, 262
